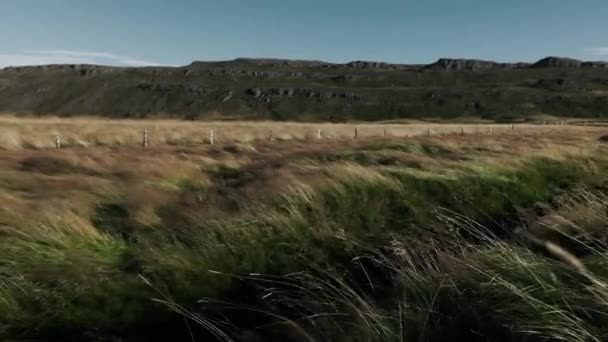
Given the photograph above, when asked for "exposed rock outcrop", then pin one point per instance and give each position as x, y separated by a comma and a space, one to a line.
557, 62
300, 92
447, 64
83, 69
373, 65
169, 87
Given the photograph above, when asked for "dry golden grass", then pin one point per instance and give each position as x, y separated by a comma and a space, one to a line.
40, 133
38, 182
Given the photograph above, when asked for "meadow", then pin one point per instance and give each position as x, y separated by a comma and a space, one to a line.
497, 234
41, 133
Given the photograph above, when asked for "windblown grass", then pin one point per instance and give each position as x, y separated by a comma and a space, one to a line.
40, 133
459, 239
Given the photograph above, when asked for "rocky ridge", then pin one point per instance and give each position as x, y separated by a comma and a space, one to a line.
312, 90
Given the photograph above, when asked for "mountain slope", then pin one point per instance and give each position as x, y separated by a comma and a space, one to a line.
312, 90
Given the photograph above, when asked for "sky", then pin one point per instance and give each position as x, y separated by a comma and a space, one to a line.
177, 32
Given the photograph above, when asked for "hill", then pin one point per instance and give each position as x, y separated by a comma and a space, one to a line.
312, 90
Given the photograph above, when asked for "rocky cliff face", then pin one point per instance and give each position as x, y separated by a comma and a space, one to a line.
268, 93
276, 67
83, 69
557, 62
560, 62
446, 64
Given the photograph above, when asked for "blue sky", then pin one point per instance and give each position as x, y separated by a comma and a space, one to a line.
163, 32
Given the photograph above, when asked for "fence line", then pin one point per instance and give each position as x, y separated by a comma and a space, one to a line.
385, 133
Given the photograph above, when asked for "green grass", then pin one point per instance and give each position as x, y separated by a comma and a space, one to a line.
371, 253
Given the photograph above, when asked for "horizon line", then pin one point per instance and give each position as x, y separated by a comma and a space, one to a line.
279, 59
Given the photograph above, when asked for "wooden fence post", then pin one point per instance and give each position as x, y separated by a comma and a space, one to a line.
356, 132
145, 142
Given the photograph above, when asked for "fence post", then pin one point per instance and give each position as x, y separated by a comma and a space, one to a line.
145, 142
356, 132
58, 142
211, 137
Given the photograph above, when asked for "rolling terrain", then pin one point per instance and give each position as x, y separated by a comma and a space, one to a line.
474, 208
256, 89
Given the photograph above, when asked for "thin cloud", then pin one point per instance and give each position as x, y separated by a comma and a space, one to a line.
102, 55
600, 51
20, 59
42, 57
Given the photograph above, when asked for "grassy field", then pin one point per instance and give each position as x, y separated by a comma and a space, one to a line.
41, 133
475, 237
